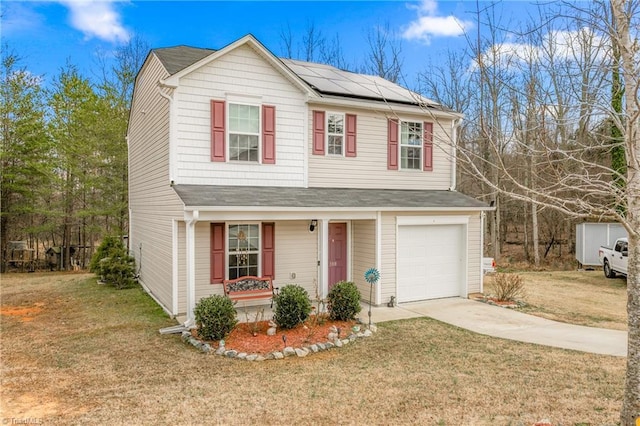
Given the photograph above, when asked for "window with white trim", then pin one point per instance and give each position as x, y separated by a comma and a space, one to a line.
411, 145
243, 250
244, 132
335, 134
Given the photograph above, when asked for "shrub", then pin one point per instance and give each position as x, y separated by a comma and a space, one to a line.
508, 286
292, 306
215, 317
343, 301
109, 244
114, 265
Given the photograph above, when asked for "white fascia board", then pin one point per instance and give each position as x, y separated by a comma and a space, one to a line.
432, 220
244, 215
331, 211
388, 108
251, 41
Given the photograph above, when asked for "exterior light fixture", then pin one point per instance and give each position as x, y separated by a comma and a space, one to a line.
313, 224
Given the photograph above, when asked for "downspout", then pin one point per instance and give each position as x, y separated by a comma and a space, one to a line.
191, 268
167, 91
454, 156
172, 128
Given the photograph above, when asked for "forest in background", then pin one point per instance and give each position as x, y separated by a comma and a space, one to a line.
526, 97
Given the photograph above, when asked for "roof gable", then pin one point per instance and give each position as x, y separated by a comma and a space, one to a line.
247, 40
319, 81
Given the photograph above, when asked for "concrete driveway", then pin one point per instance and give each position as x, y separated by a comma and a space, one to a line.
507, 324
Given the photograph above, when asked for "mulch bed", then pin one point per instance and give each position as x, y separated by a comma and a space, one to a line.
243, 338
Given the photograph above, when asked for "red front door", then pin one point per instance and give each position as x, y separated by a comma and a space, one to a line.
337, 253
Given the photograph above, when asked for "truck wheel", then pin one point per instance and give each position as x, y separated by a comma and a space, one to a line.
608, 272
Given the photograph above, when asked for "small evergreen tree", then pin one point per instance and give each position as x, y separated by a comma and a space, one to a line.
114, 265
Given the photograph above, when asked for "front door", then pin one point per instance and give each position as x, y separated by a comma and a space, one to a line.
337, 253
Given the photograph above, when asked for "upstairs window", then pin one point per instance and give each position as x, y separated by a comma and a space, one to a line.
335, 134
244, 132
411, 145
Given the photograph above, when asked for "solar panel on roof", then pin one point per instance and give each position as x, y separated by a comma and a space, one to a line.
328, 79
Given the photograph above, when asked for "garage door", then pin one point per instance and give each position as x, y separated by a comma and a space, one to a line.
430, 261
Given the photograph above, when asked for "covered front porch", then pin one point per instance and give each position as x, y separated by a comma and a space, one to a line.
314, 252
315, 237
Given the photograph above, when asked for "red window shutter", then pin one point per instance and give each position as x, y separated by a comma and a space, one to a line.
318, 132
392, 145
351, 135
268, 134
427, 142
217, 131
217, 253
268, 250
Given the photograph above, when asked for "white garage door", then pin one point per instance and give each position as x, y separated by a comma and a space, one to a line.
430, 261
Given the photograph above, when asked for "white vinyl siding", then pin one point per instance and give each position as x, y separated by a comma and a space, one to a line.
182, 268
296, 253
241, 73
474, 258
152, 202
369, 168
363, 254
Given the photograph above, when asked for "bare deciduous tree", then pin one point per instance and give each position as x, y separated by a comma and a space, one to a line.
384, 58
573, 172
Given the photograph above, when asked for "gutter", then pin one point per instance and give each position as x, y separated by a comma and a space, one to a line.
386, 107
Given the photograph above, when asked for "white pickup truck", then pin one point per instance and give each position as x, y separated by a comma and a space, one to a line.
614, 261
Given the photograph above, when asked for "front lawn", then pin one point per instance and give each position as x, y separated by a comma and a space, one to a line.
575, 297
75, 352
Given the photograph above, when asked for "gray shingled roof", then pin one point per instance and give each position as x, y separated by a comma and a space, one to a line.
177, 58
324, 79
287, 197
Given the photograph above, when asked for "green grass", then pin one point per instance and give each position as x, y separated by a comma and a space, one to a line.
93, 355
575, 297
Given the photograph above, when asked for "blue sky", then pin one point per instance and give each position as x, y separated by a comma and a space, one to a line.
48, 34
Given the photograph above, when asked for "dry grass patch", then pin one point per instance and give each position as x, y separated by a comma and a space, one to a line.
94, 355
575, 297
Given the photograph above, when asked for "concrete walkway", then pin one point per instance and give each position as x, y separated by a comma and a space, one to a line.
507, 324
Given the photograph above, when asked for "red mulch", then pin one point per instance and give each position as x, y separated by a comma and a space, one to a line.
242, 338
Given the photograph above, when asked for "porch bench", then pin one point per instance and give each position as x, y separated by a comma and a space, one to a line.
250, 288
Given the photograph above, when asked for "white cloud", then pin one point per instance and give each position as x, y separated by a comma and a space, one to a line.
428, 24
561, 45
425, 7
97, 19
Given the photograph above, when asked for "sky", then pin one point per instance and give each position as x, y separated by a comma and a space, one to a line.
49, 34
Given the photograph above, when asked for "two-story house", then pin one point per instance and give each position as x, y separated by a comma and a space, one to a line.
242, 163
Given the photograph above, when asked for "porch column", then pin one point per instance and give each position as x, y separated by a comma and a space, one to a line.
324, 258
191, 267
378, 288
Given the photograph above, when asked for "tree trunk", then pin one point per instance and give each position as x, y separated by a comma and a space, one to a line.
534, 233
631, 403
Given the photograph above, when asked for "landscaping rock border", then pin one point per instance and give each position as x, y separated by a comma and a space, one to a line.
287, 352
